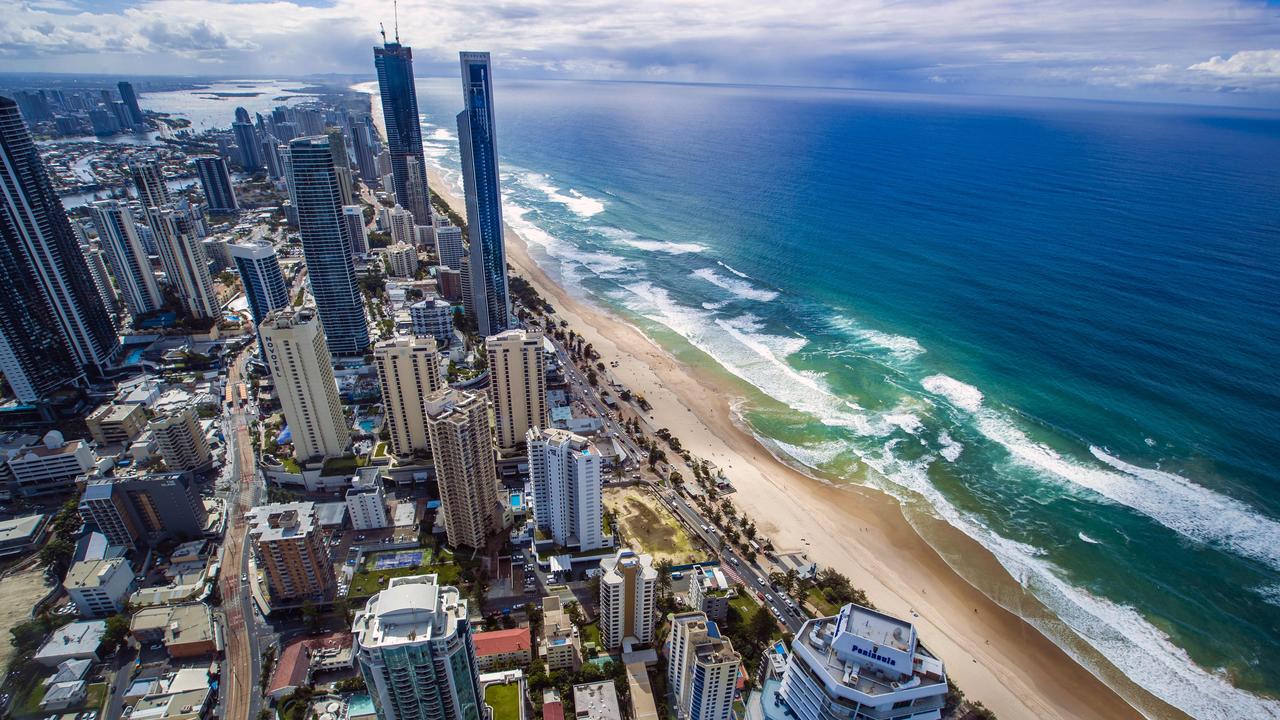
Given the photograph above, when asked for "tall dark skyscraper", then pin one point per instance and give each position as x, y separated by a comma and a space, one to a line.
404, 132
363, 143
130, 99
326, 245
477, 138
148, 179
247, 139
216, 181
53, 325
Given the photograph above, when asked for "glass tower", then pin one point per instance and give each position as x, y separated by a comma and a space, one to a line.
53, 325
326, 245
404, 132
477, 138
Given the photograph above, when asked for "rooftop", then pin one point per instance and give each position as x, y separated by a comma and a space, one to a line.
867, 653
92, 573
597, 701
281, 521
20, 528
412, 609
501, 642
78, 638
114, 412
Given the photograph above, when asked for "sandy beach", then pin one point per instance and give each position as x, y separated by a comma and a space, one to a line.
995, 656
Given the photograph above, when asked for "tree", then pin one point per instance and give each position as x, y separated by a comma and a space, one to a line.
761, 629
664, 577
117, 630
56, 556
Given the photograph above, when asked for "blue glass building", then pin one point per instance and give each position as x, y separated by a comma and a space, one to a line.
326, 245
489, 301
404, 131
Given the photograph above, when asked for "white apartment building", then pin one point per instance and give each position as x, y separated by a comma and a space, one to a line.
50, 466
565, 472
628, 595
413, 645
517, 386
367, 504
182, 442
353, 216
402, 260
302, 369
409, 369
99, 587
432, 317
449, 247
862, 665
702, 669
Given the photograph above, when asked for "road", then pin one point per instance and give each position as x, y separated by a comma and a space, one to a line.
241, 698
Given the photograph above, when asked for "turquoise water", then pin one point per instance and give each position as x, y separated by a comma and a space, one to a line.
360, 705
1053, 326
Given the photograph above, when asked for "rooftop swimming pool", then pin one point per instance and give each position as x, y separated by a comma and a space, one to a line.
360, 705
517, 501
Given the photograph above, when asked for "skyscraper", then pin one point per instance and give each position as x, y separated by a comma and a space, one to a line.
565, 472
449, 247
247, 139
363, 141
130, 99
702, 669
326, 245
188, 267
292, 550
628, 592
264, 284
458, 425
517, 386
181, 440
404, 133
408, 370
215, 179
413, 645
353, 215
148, 178
96, 260
302, 370
489, 303
119, 239
53, 324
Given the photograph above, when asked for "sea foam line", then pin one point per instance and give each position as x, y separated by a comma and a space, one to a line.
739, 288
1191, 510
581, 205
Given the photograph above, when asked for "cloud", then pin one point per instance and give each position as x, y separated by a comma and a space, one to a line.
1264, 64
1112, 48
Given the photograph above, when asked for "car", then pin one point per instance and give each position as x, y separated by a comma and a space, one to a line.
768, 597
156, 646
677, 575
733, 560
244, 578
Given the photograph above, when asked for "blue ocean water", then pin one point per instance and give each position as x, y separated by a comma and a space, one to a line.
1053, 325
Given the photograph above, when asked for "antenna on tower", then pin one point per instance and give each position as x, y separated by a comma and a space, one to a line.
383, 30
395, 9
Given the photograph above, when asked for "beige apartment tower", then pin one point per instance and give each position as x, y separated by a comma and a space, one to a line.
303, 373
517, 386
291, 551
628, 593
458, 425
182, 443
408, 371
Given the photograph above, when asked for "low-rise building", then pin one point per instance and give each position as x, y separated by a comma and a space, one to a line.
596, 701
180, 695
501, 649
367, 505
49, 467
76, 641
561, 646
23, 534
116, 423
710, 592
187, 630
99, 587
432, 317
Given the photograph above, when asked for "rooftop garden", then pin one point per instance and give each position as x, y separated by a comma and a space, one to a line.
504, 699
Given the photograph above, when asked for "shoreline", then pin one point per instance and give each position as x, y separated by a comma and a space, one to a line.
994, 655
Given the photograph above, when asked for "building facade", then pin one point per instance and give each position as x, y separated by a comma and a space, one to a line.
353, 216
702, 669
367, 506
517, 386
99, 587
215, 180
134, 510
118, 237
327, 247
182, 442
302, 369
432, 317
116, 423
394, 63
291, 550
449, 247
490, 302
628, 597
402, 260
458, 426
415, 652
564, 470
53, 325
408, 371
185, 262
264, 284
862, 665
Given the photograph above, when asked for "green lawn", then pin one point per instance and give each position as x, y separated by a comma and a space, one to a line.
367, 582
745, 604
505, 701
819, 601
27, 696
590, 634
290, 465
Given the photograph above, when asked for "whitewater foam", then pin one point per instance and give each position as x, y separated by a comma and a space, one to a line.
735, 271
950, 448
581, 205
738, 288
1088, 539
962, 395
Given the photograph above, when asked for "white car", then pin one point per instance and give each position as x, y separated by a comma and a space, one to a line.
244, 578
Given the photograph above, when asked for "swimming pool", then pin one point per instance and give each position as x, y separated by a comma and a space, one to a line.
366, 426
359, 705
134, 357
517, 501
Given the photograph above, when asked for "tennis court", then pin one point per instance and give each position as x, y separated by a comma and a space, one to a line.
390, 561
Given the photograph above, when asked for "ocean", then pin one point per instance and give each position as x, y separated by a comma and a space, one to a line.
1053, 325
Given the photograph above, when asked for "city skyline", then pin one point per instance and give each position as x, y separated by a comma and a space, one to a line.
1218, 51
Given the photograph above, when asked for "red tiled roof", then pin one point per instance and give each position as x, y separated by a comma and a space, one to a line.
553, 711
501, 642
337, 640
291, 671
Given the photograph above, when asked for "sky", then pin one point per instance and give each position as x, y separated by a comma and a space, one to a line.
1215, 51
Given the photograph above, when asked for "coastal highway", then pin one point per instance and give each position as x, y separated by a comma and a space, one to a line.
731, 561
